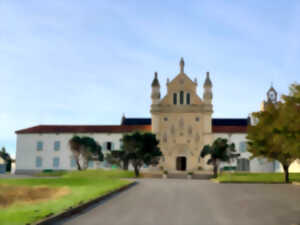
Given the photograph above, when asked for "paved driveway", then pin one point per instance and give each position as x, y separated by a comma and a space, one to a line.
196, 202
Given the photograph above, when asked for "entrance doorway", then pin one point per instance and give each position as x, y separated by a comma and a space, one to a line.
181, 163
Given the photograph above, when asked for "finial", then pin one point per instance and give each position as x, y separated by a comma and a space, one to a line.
181, 65
155, 82
207, 82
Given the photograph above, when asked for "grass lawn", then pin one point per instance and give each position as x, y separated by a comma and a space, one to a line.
256, 177
73, 188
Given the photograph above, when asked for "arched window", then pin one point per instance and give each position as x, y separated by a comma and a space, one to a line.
181, 97
175, 98
188, 98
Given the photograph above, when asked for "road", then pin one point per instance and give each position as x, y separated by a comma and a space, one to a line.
196, 202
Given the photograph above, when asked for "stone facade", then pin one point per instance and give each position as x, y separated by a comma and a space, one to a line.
182, 121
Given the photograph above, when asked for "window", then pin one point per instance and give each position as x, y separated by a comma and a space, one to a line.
109, 146
188, 98
175, 98
261, 161
38, 162
121, 144
39, 146
181, 97
56, 145
90, 164
55, 162
73, 162
243, 146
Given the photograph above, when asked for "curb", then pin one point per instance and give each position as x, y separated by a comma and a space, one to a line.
296, 183
215, 181
71, 211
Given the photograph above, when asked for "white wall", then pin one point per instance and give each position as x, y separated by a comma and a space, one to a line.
256, 165
294, 167
27, 149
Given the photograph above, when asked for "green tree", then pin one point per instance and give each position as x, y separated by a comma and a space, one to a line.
219, 151
87, 148
5, 155
141, 148
118, 157
113, 159
276, 133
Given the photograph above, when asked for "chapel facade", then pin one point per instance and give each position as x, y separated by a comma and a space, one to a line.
182, 121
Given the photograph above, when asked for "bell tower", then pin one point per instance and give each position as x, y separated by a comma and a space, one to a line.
155, 95
272, 96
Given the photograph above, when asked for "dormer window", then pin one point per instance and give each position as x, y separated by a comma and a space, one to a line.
181, 97
188, 98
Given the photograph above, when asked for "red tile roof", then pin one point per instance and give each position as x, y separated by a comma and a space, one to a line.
84, 129
115, 129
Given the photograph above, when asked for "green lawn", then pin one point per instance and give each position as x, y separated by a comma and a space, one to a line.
256, 177
83, 186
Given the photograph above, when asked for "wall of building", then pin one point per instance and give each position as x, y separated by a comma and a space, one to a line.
27, 151
294, 167
239, 139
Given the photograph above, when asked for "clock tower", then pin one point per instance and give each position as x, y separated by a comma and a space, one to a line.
271, 98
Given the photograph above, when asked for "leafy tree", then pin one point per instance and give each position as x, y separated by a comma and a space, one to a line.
141, 148
5, 155
113, 159
219, 151
276, 133
118, 157
87, 148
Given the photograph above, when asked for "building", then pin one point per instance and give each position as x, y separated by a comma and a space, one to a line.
182, 121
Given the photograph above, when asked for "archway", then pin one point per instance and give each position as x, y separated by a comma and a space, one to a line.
181, 163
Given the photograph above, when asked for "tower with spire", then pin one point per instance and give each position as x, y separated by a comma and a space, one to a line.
155, 95
207, 95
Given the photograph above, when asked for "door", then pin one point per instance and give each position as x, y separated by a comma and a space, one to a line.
181, 163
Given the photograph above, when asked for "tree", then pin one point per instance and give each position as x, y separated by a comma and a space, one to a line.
219, 151
5, 155
118, 157
87, 148
141, 148
276, 135
113, 158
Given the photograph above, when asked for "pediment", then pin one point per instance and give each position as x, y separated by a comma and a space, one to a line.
182, 79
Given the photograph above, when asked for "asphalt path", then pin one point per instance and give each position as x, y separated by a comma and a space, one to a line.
195, 202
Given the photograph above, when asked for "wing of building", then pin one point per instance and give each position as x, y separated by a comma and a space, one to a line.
181, 120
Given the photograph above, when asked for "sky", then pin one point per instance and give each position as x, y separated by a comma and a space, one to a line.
88, 62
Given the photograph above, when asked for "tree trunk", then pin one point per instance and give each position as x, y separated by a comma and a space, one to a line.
78, 164
125, 164
215, 170
215, 164
136, 171
286, 173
